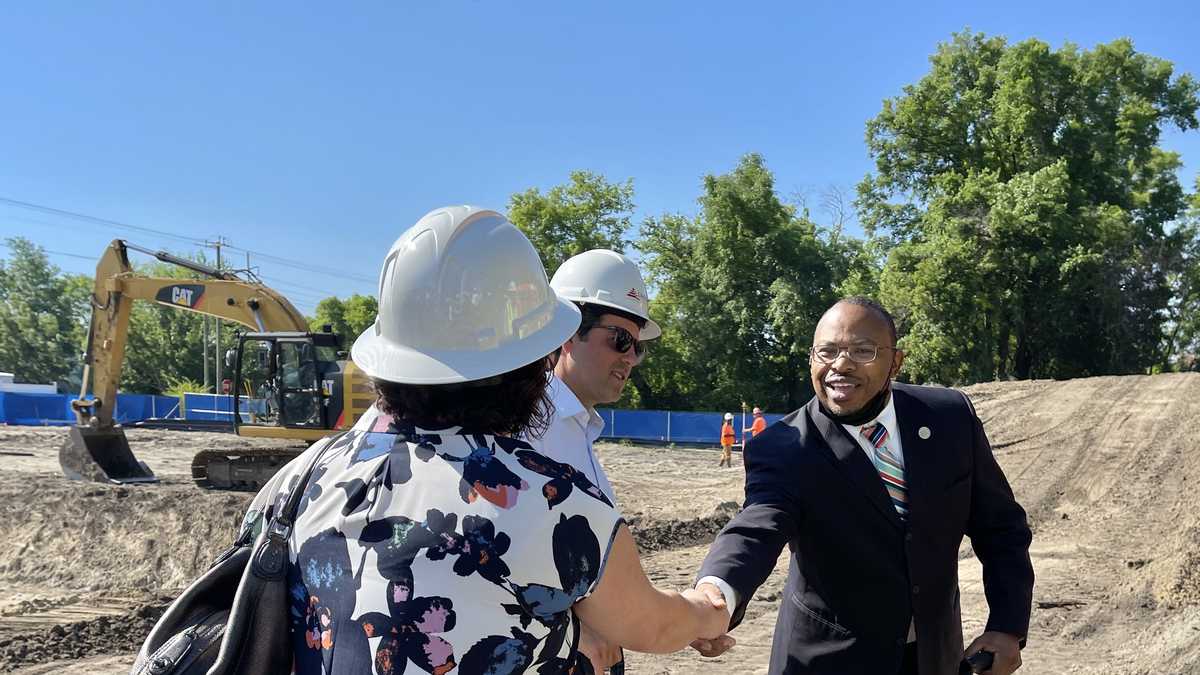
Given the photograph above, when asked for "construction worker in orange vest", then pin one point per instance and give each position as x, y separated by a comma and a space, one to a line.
727, 440
759, 423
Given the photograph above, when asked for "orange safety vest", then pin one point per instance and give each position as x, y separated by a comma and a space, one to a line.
727, 434
759, 425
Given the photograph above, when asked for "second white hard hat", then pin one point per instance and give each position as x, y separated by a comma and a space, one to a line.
728, 416
462, 296
607, 278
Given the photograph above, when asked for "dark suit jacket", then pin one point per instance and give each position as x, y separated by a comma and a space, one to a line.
858, 572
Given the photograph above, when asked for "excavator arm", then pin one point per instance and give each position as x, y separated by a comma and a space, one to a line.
97, 449
117, 286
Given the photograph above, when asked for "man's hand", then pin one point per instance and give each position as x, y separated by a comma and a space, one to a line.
1007, 649
600, 652
721, 644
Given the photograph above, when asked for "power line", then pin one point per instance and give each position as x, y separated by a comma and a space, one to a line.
297, 296
300, 291
307, 267
300, 295
297, 264
288, 284
79, 227
93, 219
46, 250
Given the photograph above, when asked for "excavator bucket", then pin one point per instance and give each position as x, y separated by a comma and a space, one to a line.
102, 455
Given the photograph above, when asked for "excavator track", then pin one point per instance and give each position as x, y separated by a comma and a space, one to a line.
245, 470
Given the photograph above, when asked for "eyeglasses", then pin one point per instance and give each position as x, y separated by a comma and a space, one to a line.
861, 354
620, 340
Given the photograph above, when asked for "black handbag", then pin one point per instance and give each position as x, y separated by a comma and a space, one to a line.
234, 618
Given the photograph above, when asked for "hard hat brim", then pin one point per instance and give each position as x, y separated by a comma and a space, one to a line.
384, 360
648, 332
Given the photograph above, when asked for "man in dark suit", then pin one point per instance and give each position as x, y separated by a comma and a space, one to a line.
872, 486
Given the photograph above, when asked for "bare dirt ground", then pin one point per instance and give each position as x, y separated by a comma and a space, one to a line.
1108, 469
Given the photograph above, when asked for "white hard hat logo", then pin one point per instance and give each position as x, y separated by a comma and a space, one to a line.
608, 279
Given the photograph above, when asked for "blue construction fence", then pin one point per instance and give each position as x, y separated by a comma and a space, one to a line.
218, 407
55, 409
664, 426
656, 426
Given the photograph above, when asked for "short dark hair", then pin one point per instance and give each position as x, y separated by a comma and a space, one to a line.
507, 404
591, 315
863, 301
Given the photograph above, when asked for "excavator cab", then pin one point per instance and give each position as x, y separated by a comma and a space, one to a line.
288, 381
285, 389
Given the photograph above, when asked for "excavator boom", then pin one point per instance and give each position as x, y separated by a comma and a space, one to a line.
96, 448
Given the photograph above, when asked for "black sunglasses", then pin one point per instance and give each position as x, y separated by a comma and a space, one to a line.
620, 340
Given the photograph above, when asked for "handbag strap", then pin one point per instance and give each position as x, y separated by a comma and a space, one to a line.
281, 522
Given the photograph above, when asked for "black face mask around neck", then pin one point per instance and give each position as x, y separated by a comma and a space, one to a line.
868, 412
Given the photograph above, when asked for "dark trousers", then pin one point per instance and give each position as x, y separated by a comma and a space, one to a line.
909, 665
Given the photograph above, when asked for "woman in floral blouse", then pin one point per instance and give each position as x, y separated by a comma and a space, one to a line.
429, 537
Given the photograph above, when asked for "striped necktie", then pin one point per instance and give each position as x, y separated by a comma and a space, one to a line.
890, 468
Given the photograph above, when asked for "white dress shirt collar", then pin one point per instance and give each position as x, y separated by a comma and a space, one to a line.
886, 417
567, 405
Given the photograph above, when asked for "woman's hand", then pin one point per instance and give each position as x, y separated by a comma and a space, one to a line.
626, 609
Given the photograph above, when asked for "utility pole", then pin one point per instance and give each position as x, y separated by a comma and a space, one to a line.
219, 358
204, 342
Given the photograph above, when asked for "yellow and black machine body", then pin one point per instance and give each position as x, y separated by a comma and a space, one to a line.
294, 384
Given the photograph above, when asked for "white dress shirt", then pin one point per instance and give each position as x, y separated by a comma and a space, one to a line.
572, 431
886, 417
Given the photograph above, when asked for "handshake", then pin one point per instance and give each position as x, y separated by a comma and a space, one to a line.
707, 617
710, 602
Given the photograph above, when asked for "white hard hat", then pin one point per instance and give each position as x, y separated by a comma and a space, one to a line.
728, 416
607, 278
462, 296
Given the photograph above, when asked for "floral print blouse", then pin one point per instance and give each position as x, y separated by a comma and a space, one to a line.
438, 551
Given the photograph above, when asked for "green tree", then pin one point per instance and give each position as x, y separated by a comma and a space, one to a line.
348, 318
1181, 347
587, 213
739, 291
41, 313
1029, 209
671, 375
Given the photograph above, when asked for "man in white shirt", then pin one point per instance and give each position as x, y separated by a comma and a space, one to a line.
595, 363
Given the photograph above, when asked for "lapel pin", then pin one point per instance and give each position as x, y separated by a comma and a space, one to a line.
924, 433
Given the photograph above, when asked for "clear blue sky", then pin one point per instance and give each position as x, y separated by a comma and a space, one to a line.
317, 132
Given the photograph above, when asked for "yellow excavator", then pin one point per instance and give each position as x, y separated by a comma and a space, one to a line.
292, 383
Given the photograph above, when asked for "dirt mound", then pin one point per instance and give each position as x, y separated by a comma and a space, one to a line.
652, 536
1108, 469
93, 537
80, 639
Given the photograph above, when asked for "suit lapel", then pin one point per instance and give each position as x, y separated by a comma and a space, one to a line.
919, 459
850, 459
